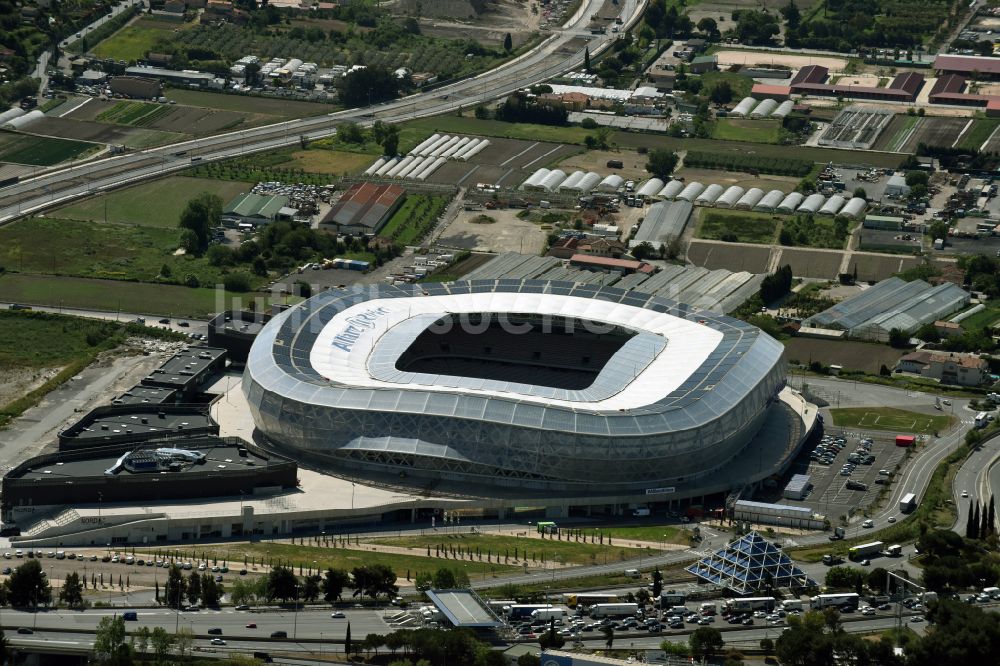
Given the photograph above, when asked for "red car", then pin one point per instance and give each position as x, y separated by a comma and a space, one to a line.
252, 625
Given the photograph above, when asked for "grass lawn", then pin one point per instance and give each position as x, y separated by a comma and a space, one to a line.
134, 40
813, 231
248, 104
343, 558
737, 129
564, 552
157, 203
328, 161
739, 227
88, 249
650, 533
890, 418
41, 150
981, 130
111, 295
414, 219
985, 317
470, 125
740, 85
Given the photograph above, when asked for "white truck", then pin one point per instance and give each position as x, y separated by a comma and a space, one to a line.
613, 610
792, 605
641, 512
547, 614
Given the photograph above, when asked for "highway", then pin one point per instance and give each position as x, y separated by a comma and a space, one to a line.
979, 476
561, 52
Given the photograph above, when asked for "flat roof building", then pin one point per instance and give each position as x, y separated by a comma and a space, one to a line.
185, 77
136, 87
364, 209
146, 395
119, 424
188, 370
625, 266
962, 64
664, 222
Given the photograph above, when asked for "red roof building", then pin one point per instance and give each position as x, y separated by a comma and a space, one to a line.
903, 88
768, 91
363, 209
625, 266
960, 64
993, 107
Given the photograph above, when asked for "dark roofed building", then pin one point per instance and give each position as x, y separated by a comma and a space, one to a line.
960, 64
810, 74
188, 370
364, 209
948, 90
136, 87
908, 81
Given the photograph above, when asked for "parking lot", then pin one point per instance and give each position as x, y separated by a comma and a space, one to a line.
829, 495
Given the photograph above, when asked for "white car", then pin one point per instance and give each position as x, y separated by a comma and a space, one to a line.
892, 519
868, 524
218, 641
965, 493
867, 610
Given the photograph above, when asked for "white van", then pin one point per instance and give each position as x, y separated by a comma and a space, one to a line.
633, 573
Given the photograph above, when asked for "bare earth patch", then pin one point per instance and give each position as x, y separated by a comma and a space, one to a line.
17, 382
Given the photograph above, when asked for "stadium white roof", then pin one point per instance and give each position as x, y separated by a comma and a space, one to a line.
359, 345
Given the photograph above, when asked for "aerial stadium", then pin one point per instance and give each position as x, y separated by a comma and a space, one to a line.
557, 387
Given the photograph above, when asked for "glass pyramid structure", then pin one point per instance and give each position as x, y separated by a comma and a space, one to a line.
750, 564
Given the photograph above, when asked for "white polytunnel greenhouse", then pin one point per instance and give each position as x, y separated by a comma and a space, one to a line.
588, 182
764, 109
744, 107
650, 188
783, 109
552, 181
571, 181
375, 167
384, 169
535, 180
611, 183
710, 194
833, 205
750, 198
423, 144
671, 189
812, 204
790, 202
690, 191
854, 208
770, 201
729, 197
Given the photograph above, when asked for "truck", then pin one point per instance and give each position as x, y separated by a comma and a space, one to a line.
829, 600
928, 597
549, 614
905, 440
641, 512
671, 598
613, 610
993, 592
982, 419
744, 604
864, 550
792, 605
522, 611
838, 534
908, 503
708, 608
895, 550
938, 243
830, 560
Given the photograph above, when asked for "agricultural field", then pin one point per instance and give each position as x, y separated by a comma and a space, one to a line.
730, 257
748, 161
414, 219
475, 126
754, 131
157, 203
980, 135
740, 85
85, 130
96, 250
146, 298
41, 150
139, 114
814, 262
136, 39
736, 227
905, 133
864, 356
891, 419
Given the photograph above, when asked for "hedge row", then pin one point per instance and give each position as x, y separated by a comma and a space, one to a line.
782, 166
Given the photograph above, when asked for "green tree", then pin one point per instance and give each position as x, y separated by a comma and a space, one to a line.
550, 639
110, 642
175, 587
140, 639
189, 241
350, 133
860, 193
705, 642
71, 592
661, 163
843, 578
334, 582
525, 660
657, 583
387, 136
962, 634
898, 339
237, 281
27, 586
508, 43
194, 587
162, 643
374, 580
805, 643
586, 59
211, 592
793, 17
609, 636
444, 579
184, 640
310, 587
200, 215
643, 250
281, 583
722, 93
259, 266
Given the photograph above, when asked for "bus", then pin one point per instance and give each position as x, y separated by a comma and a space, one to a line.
589, 599
827, 600
750, 604
547, 527
982, 418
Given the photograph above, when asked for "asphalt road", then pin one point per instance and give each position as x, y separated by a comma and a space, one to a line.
561, 52
193, 325
978, 476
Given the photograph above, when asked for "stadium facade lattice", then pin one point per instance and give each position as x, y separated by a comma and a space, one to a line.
551, 386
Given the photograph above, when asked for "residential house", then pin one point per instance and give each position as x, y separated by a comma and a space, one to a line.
946, 367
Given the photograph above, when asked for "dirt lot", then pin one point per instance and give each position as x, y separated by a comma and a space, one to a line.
851, 355
734, 57
85, 130
489, 27
18, 382
874, 267
597, 161
731, 257
507, 234
859, 80
506, 162
811, 263
745, 180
